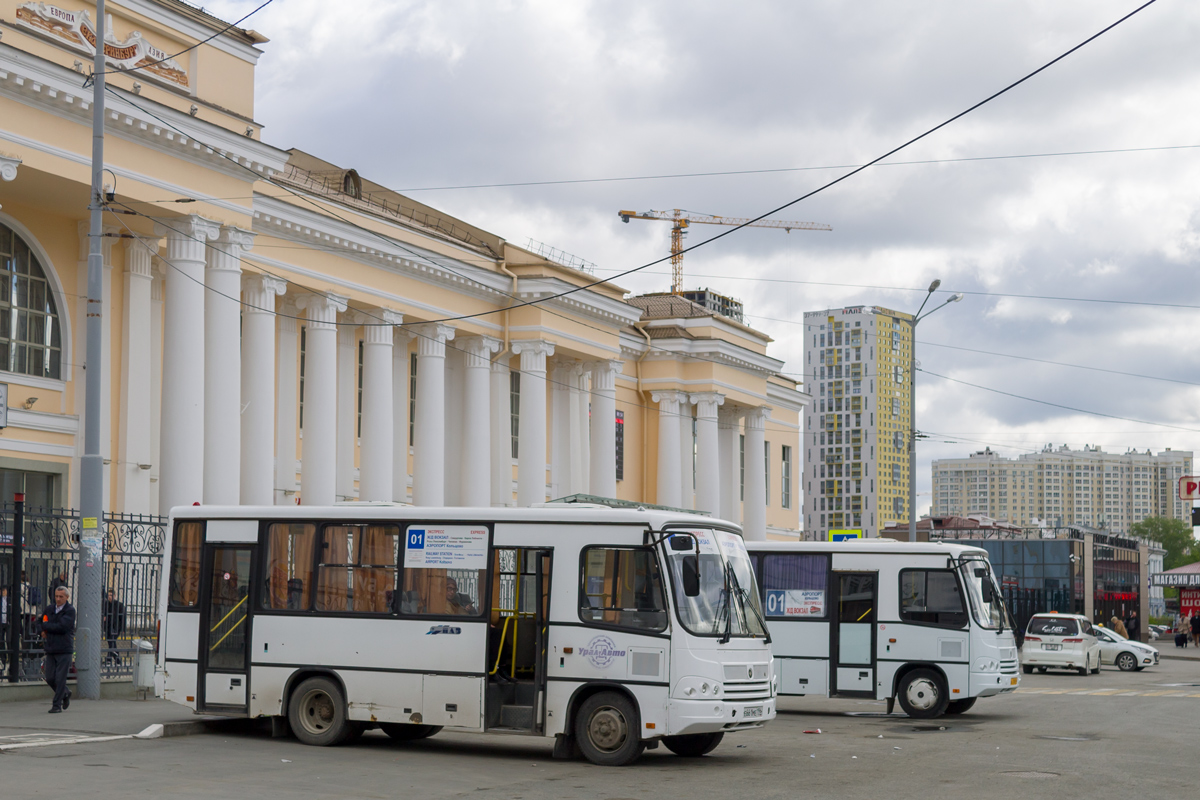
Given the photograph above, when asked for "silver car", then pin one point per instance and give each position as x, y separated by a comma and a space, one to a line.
1126, 654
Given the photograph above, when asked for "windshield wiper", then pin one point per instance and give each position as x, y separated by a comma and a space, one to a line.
745, 601
727, 601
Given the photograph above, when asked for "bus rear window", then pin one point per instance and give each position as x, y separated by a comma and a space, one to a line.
185, 565
1052, 626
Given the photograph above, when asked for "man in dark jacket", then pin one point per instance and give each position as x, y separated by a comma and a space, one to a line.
58, 635
1134, 626
114, 624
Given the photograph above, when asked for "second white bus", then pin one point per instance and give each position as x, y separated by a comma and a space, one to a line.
922, 623
609, 630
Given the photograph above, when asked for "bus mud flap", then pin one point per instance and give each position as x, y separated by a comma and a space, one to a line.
565, 747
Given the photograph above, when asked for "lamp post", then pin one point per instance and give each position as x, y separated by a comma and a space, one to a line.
912, 404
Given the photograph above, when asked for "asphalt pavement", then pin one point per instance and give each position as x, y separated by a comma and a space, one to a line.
1110, 735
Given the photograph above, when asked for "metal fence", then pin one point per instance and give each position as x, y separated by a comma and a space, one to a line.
46, 542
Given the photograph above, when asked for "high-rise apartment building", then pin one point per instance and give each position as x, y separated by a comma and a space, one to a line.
1064, 486
857, 426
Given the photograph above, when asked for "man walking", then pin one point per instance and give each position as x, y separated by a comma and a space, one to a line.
1134, 626
114, 625
58, 633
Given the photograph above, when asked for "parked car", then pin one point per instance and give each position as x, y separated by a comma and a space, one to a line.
1126, 654
1158, 631
1062, 641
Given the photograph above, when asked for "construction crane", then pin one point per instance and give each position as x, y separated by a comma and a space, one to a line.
681, 219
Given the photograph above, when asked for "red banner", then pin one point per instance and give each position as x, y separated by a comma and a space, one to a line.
1189, 602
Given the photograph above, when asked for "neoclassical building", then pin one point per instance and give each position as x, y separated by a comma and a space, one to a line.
279, 329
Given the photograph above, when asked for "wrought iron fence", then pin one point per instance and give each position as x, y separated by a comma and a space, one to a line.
49, 556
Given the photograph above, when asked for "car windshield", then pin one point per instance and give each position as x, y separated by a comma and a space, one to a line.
976, 571
728, 601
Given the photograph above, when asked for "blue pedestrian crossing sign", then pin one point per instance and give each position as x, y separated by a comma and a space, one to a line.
843, 535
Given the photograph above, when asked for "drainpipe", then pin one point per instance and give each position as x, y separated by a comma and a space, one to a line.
502, 265
645, 405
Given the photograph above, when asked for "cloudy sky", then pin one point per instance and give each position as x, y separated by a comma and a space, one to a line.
422, 95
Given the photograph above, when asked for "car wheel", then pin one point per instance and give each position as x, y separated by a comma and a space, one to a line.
960, 706
404, 732
1096, 669
1028, 670
608, 730
1127, 662
317, 713
1139, 669
923, 694
1042, 670
693, 745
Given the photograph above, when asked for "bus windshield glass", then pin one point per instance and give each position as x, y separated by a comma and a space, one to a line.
728, 602
976, 573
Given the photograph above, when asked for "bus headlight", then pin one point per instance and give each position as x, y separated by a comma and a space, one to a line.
986, 664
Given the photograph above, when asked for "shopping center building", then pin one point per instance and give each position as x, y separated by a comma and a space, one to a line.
280, 329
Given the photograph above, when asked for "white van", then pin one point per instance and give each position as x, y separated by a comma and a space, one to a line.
1062, 641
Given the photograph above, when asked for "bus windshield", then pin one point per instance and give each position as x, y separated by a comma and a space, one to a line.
976, 573
728, 603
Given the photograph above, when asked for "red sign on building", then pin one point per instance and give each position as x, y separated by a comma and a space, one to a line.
1189, 603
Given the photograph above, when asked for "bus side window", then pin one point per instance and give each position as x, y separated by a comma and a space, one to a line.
794, 585
288, 573
357, 569
185, 564
933, 597
622, 588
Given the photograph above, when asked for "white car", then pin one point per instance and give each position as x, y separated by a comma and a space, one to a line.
1126, 654
1062, 641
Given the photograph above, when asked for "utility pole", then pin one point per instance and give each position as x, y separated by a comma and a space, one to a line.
91, 473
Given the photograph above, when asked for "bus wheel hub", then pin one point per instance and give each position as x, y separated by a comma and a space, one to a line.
606, 728
922, 694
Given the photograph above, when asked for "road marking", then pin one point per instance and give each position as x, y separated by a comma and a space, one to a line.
56, 741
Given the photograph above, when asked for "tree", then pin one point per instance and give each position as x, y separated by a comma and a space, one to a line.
1174, 535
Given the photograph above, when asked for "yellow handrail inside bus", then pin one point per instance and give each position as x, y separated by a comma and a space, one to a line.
227, 616
500, 649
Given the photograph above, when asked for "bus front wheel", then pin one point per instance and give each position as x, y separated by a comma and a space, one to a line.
608, 730
317, 713
693, 745
923, 694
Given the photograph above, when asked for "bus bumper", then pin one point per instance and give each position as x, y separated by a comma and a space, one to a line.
711, 716
989, 684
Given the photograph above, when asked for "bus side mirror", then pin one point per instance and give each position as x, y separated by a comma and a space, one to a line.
987, 592
680, 542
691, 576
980, 572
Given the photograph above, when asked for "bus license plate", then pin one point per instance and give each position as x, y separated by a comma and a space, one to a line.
752, 712
1052, 647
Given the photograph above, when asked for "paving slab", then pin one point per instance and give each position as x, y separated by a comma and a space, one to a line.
98, 718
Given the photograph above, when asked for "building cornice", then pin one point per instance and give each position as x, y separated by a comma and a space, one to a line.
55, 89
583, 302
790, 399
194, 28
716, 350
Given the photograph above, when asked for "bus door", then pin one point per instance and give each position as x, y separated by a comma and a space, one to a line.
852, 634
520, 608
224, 664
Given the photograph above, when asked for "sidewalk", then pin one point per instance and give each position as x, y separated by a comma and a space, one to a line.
99, 718
1167, 649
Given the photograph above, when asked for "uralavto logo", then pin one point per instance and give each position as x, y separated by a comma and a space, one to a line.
450, 629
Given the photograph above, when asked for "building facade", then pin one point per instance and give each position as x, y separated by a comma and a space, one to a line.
856, 430
280, 329
1061, 486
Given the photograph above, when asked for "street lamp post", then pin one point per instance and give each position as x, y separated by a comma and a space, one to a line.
912, 404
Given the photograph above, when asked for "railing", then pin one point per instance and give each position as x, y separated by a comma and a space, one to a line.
47, 549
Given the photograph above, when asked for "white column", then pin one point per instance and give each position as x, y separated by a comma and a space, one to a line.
400, 387
531, 446
476, 472
708, 459
561, 375
603, 429
347, 403
728, 429
583, 479
754, 507
576, 427
258, 388
502, 494
182, 440
156, 351
687, 456
318, 467
669, 482
136, 380
287, 404
375, 463
429, 456
223, 367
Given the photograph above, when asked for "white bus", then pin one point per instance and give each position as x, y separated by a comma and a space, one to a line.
609, 629
877, 618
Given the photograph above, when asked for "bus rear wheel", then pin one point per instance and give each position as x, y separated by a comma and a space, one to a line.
403, 732
960, 706
608, 730
923, 694
317, 713
693, 745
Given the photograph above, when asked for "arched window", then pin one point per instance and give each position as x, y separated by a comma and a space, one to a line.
352, 184
30, 337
